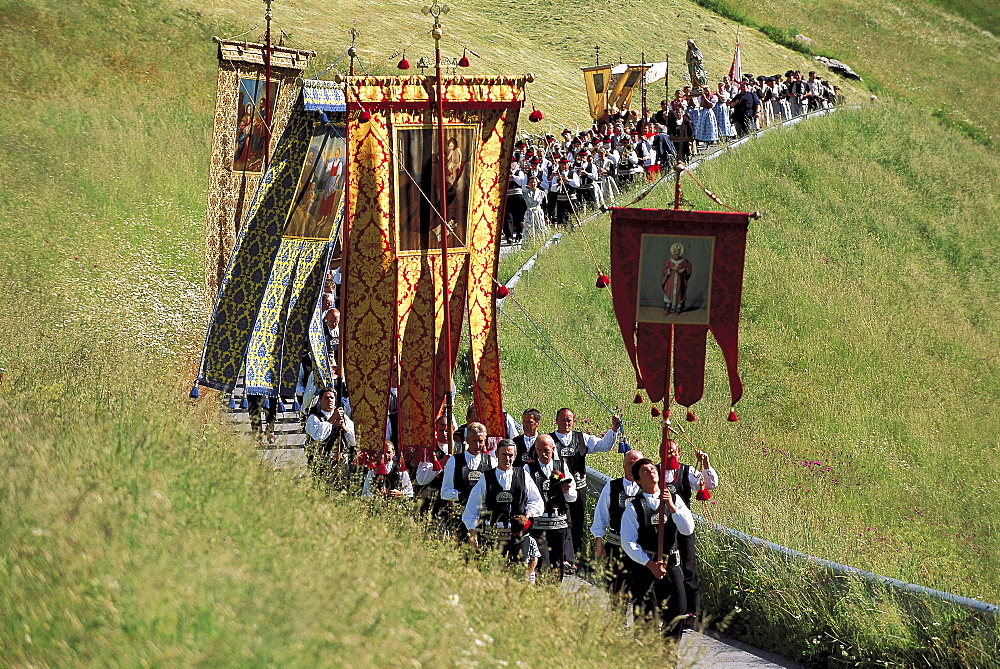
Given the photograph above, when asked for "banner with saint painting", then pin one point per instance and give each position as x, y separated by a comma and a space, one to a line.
272, 287
393, 266
240, 140
675, 276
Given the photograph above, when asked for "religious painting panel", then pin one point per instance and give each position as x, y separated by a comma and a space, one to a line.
418, 178
251, 123
319, 201
675, 279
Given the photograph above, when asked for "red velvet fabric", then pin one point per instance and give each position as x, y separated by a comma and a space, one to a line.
654, 347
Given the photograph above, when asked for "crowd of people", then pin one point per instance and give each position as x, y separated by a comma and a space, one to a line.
526, 496
552, 177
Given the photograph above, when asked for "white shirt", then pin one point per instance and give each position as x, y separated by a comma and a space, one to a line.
602, 510
511, 425
630, 525
404, 483
534, 507
425, 470
448, 490
547, 470
320, 428
593, 444
694, 478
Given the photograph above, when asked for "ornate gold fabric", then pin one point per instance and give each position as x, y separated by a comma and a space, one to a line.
393, 297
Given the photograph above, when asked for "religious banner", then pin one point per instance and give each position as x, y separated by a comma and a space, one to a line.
240, 140
266, 322
624, 84
597, 79
676, 275
393, 282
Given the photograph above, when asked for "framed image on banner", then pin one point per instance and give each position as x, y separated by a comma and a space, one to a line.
319, 198
675, 279
418, 192
251, 135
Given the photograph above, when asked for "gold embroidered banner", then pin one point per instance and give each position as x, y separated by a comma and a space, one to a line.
393, 293
239, 141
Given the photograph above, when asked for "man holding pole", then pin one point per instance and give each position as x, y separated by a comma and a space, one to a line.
650, 528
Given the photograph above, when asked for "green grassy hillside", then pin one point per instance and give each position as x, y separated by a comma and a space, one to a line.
868, 345
938, 54
133, 533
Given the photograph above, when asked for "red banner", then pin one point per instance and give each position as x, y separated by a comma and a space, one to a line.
675, 276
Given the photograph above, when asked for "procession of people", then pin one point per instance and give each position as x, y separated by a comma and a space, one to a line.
553, 178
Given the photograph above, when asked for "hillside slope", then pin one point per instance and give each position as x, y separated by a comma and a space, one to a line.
134, 533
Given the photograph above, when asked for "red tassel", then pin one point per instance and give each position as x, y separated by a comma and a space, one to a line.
502, 291
437, 465
403, 64
672, 463
732, 416
383, 470
364, 116
690, 417
536, 115
654, 412
704, 495
638, 399
464, 60
602, 281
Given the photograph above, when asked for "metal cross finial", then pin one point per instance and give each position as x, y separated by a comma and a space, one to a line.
437, 10
597, 54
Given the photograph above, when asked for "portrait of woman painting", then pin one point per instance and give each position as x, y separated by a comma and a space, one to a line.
418, 193
319, 200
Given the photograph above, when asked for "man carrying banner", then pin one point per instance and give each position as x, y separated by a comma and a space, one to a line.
656, 584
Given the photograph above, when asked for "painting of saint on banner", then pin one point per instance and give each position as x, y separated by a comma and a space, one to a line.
251, 136
419, 190
675, 277
319, 199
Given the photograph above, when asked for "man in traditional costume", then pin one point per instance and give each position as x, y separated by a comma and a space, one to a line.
500, 504
388, 479
656, 585
683, 480
464, 470
616, 495
331, 430
572, 447
550, 528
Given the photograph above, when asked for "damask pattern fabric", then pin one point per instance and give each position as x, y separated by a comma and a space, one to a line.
392, 284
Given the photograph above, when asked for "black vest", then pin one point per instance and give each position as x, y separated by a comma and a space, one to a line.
328, 445
647, 520
464, 478
574, 457
552, 494
385, 482
681, 484
616, 504
524, 454
502, 505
